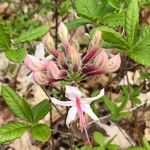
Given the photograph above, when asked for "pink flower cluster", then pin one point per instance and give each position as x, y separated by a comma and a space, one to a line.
59, 65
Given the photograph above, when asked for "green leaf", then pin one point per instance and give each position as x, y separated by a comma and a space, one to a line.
33, 34
16, 56
146, 144
115, 4
99, 138
124, 101
77, 23
5, 40
40, 110
144, 3
41, 132
17, 104
112, 107
145, 31
141, 52
12, 131
113, 37
114, 20
131, 21
87, 8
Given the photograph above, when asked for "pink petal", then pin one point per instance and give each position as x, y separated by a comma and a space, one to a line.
101, 58
113, 63
71, 115
90, 55
96, 72
53, 70
40, 78
62, 103
89, 100
88, 110
89, 68
33, 63
72, 92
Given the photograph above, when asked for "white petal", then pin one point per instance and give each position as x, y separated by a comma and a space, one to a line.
29, 78
72, 92
71, 115
62, 103
88, 110
49, 57
89, 100
39, 53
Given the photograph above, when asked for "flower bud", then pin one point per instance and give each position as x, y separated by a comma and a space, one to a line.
95, 43
94, 47
50, 45
74, 57
63, 33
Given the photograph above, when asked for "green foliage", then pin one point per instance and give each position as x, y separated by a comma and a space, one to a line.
5, 41
77, 23
114, 19
99, 138
65, 7
16, 55
12, 131
23, 111
17, 104
41, 132
102, 144
144, 3
87, 8
115, 4
111, 36
144, 75
116, 111
146, 144
32, 34
40, 110
141, 52
132, 20
131, 94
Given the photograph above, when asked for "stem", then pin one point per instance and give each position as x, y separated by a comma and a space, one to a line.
63, 117
56, 22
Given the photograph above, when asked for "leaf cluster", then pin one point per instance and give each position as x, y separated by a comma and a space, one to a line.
30, 118
10, 46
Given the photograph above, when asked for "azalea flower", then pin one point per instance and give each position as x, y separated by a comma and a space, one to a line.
96, 61
79, 106
44, 70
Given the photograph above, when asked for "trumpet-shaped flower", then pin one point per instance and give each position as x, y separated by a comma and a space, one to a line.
79, 106
44, 70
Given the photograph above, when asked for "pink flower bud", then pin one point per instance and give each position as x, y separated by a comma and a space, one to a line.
74, 56
95, 43
94, 47
63, 33
50, 45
